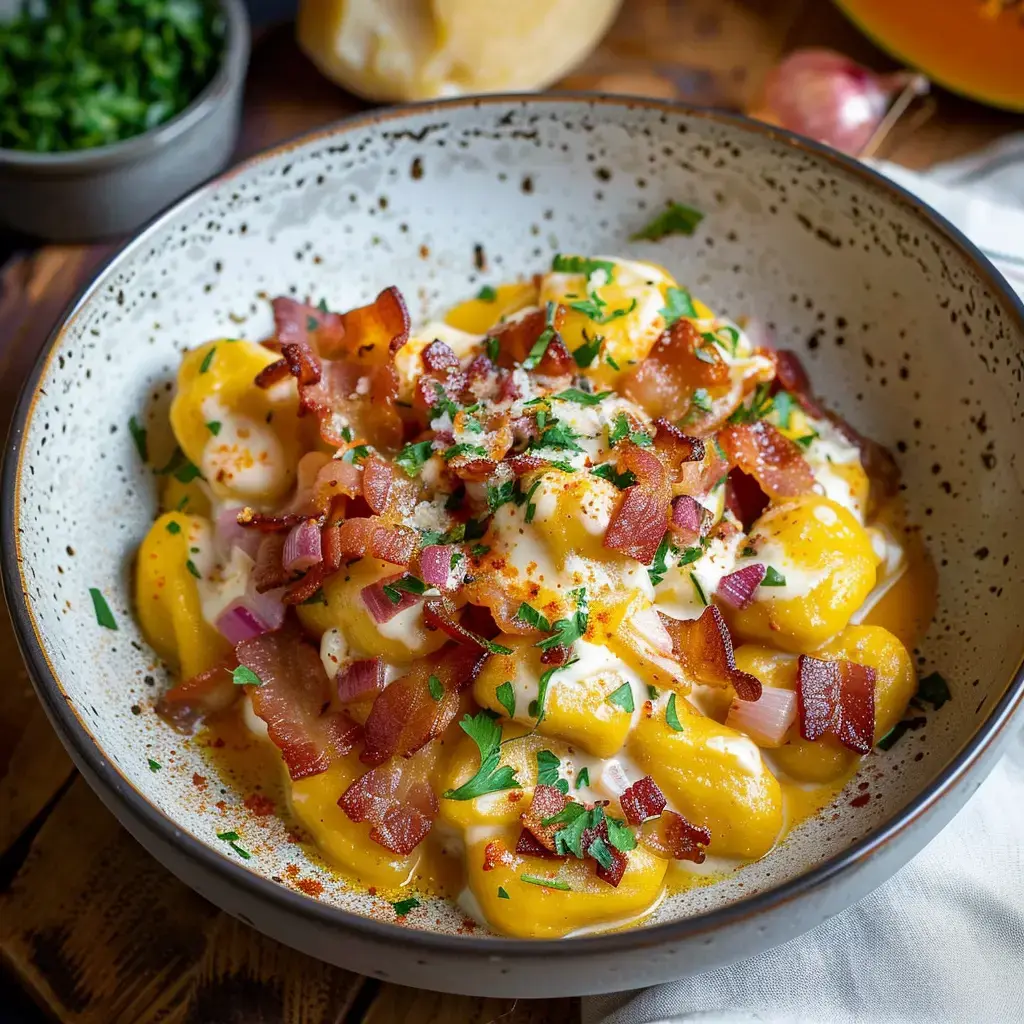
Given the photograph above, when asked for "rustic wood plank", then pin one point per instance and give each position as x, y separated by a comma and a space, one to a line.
101, 933
398, 1005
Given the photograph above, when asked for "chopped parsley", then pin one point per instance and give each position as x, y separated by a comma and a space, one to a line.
548, 883
581, 397
578, 821
531, 508
231, 838
581, 265
528, 614
933, 689
623, 697
139, 437
558, 436
502, 895
312, 323
652, 692
500, 495
760, 406
783, 406
588, 351
536, 708
207, 359
506, 697
672, 715
702, 400
322, 306
567, 631
191, 566
412, 457
442, 403
620, 430
317, 597
487, 294
593, 307
154, 766
485, 732
243, 676
583, 778
213, 427
346, 435
493, 346
540, 346
621, 837
659, 566
180, 468
402, 907
678, 304
598, 849
807, 439
676, 220
773, 578
608, 472
435, 687
690, 555
611, 362
407, 584
464, 448
356, 454
548, 764
479, 550
173, 527
701, 596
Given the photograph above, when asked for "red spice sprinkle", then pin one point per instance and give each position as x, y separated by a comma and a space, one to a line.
310, 886
372, 890
860, 801
259, 804
221, 806
292, 871
199, 781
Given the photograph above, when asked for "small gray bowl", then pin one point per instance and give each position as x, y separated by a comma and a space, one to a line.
91, 194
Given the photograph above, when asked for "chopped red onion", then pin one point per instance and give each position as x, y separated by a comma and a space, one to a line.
688, 517
766, 720
436, 564
613, 779
251, 615
380, 606
361, 679
737, 589
302, 548
229, 533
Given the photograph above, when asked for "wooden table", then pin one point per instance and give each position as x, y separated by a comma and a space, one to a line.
91, 928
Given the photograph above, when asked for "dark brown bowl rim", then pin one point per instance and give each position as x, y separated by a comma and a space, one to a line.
138, 808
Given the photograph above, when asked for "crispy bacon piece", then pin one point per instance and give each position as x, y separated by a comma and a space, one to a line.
774, 461
273, 374
663, 384
547, 802
639, 523
342, 363
295, 702
204, 694
528, 845
837, 697
676, 449
744, 497
440, 613
792, 377
269, 572
373, 536
672, 836
486, 591
525, 463
397, 800
704, 647
689, 519
378, 476
406, 715
517, 337
613, 875
642, 800
442, 377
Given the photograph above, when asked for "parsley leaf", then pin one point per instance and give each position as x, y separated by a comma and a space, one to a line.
464, 448
548, 764
207, 360
581, 397
933, 689
402, 907
760, 406
407, 584
356, 454
701, 596
485, 732
536, 708
608, 472
559, 436
506, 697
783, 405
435, 687
581, 265
104, 616
623, 697
619, 430
231, 838
773, 578
583, 778
487, 294
243, 676
154, 766
540, 346
679, 304
672, 715
213, 427
532, 617
139, 437
531, 508
502, 895
180, 468
659, 566
621, 837
598, 849
548, 883
567, 631
500, 495
807, 439
191, 566
412, 457
588, 351
702, 400
493, 345
676, 220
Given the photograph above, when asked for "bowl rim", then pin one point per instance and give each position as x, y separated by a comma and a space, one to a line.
132, 803
230, 72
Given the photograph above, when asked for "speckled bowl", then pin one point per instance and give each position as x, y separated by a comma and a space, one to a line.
905, 327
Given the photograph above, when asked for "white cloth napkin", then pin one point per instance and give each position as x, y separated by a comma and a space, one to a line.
943, 939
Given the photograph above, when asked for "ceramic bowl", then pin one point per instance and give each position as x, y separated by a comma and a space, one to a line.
91, 194
906, 329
